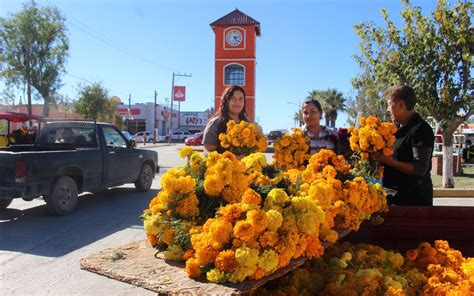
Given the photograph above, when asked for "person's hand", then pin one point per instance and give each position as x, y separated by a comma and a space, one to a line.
380, 157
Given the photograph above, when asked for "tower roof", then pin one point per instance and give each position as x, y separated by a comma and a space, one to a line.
236, 18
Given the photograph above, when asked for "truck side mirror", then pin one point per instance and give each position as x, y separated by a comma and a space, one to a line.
133, 143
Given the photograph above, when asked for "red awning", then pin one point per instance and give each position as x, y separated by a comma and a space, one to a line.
18, 117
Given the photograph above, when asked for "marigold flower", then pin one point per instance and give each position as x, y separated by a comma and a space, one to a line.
225, 261
174, 252
193, 268
251, 197
411, 255
275, 220
244, 230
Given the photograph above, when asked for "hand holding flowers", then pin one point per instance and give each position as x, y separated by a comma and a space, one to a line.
373, 138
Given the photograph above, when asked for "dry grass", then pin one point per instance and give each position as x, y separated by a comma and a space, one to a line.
466, 180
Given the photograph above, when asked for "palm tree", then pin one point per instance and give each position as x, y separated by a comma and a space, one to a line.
298, 117
334, 102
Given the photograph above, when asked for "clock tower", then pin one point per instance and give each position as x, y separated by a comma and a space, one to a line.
235, 61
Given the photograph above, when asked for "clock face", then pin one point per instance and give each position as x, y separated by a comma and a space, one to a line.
233, 37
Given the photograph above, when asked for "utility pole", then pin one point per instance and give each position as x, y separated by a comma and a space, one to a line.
172, 99
154, 121
129, 110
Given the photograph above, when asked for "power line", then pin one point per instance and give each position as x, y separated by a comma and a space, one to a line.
90, 31
86, 29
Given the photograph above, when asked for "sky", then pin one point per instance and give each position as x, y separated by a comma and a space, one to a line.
133, 47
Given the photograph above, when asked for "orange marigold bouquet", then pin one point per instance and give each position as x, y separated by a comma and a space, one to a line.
365, 269
372, 136
291, 150
243, 138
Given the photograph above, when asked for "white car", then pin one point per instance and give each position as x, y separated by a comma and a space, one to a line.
138, 137
181, 136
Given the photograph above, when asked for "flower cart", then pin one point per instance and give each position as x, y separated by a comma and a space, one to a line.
21, 135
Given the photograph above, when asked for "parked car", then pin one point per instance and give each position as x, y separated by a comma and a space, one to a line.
89, 157
274, 135
138, 137
129, 137
181, 136
194, 140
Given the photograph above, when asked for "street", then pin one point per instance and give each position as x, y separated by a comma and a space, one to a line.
39, 253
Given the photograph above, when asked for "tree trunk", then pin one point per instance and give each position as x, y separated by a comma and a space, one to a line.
448, 179
46, 107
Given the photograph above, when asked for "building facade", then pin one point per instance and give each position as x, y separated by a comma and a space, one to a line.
235, 52
141, 118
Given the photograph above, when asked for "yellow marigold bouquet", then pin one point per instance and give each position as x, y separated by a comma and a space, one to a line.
291, 150
225, 177
172, 213
372, 136
243, 138
257, 169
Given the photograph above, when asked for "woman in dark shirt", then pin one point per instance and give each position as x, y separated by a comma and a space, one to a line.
232, 107
408, 170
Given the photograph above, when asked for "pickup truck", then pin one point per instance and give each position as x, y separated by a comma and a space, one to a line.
70, 157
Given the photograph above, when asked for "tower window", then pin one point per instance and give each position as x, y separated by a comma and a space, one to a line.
234, 74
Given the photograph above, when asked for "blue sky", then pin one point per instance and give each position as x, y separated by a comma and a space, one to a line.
133, 47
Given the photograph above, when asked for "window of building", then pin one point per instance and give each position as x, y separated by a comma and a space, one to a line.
234, 74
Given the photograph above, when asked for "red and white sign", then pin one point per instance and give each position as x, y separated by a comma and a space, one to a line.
124, 111
179, 93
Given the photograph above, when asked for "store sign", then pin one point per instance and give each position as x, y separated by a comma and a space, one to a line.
194, 118
166, 114
179, 93
124, 111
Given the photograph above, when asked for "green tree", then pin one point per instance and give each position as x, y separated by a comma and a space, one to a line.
367, 101
93, 102
110, 114
35, 48
332, 102
433, 54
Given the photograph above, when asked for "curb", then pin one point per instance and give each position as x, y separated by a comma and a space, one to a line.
453, 192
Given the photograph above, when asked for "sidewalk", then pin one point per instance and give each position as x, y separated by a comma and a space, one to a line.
151, 145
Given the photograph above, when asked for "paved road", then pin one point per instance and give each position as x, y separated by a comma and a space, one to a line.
39, 254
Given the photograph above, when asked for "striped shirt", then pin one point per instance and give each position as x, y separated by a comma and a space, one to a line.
326, 139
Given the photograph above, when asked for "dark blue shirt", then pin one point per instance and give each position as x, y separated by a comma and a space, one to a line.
412, 189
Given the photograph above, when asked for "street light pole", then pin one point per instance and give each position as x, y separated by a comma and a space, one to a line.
172, 99
298, 112
154, 122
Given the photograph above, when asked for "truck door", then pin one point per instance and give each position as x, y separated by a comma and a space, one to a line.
121, 160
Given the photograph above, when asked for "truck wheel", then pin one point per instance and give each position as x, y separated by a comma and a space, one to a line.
4, 203
62, 199
145, 178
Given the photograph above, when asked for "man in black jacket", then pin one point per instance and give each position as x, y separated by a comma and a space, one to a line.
408, 170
